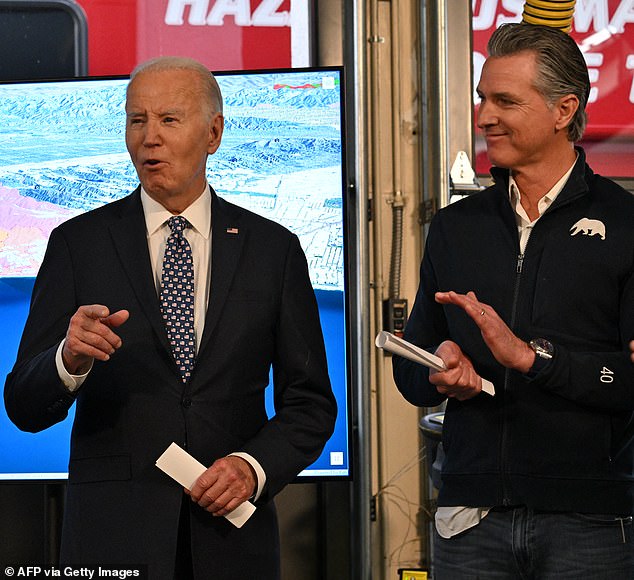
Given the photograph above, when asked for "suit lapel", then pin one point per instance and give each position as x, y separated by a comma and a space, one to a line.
130, 241
226, 245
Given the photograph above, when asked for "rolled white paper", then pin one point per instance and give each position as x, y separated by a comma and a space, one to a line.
396, 345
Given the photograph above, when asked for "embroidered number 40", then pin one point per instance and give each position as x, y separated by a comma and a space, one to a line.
607, 376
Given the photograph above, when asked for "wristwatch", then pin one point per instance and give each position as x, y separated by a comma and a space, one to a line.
544, 352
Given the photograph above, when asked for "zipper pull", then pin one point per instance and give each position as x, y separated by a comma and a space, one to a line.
627, 520
520, 262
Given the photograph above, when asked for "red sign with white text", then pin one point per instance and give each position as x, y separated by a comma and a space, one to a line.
222, 34
604, 30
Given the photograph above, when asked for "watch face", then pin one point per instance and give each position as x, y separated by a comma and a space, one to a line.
542, 347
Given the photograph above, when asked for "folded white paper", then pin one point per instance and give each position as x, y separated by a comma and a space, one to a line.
396, 345
184, 469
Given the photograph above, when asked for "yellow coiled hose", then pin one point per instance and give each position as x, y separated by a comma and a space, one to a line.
555, 13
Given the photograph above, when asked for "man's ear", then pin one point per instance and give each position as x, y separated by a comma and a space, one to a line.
216, 127
566, 108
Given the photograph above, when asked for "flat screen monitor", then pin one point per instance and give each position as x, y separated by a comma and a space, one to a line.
62, 152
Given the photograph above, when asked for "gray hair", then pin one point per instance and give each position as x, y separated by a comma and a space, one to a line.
561, 68
210, 89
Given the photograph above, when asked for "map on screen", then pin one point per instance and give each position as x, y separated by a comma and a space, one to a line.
62, 152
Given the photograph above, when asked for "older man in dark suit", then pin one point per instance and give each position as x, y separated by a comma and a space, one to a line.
161, 315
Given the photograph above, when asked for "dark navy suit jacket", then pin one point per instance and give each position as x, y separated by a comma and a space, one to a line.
120, 508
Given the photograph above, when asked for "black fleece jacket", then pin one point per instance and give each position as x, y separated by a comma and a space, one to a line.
564, 439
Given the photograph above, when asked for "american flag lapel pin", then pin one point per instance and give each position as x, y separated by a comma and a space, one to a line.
232, 230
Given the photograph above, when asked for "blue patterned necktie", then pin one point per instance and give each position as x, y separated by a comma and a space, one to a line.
177, 296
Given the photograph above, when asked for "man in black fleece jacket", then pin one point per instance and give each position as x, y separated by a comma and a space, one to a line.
530, 284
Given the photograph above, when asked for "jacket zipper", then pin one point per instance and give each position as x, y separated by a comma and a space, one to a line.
559, 202
507, 374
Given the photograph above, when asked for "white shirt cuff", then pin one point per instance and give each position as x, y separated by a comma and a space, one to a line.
259, 472
71, 382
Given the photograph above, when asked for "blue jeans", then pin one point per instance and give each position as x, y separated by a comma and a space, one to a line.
523, 544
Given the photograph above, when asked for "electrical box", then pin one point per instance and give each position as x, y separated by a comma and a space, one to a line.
395, 315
